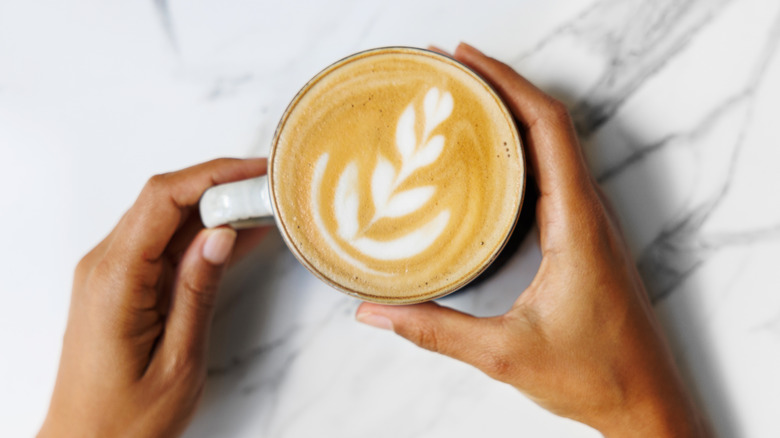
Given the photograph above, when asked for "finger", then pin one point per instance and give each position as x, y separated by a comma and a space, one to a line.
439, 50
167, 200
246, 240
88, 262
183, 237
476, 341
194, 296
552, 145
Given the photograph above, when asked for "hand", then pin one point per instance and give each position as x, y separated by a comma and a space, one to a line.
582, 340
134, 353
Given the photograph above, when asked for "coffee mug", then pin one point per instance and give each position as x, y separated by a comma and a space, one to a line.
396, 175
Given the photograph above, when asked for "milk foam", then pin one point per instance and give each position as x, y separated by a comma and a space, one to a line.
319, 170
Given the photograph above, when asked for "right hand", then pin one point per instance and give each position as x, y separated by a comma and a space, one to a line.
582, 340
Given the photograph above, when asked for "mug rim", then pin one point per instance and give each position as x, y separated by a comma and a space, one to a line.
412, 299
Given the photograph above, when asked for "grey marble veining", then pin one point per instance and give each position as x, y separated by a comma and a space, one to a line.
681, 247
636, 41
675, 102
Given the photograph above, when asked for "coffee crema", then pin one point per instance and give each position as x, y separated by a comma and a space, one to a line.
397, 175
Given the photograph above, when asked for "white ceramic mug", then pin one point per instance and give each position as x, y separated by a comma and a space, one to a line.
250, 203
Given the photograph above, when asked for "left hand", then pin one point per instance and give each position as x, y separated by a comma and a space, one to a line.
134, 353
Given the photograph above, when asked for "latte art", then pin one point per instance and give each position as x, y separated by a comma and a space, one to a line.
396, 175
388, 201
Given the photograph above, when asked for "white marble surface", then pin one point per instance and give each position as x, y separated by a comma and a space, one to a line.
675, 100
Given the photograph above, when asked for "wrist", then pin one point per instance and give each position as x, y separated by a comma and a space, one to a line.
658, 418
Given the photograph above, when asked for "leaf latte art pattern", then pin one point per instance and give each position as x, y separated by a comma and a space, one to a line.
386, 179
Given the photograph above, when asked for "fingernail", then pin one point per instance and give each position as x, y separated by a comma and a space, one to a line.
218, 245
375, 320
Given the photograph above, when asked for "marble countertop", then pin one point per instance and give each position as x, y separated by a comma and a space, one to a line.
675, 101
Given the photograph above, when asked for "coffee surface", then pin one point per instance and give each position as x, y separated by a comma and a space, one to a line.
396, 175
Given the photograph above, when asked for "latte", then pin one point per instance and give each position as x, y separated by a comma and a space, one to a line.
396, 175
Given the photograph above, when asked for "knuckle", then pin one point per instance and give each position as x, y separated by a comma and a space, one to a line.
424, 336
200, 295
103, 281
556, 110
83, 268
101, 271
497, 363
156, 183
183, 365
104, 267
498, 359
87, 263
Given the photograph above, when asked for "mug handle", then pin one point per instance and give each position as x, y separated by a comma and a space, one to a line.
240, 204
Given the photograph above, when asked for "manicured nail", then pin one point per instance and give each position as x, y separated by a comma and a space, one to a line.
375, 320
218, 245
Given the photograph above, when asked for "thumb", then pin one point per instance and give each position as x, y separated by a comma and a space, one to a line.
195, 292
476, 341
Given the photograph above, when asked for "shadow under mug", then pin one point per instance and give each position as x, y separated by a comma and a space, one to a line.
250, 203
